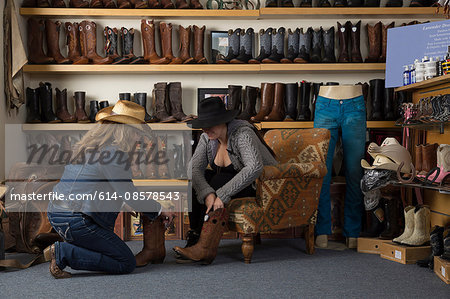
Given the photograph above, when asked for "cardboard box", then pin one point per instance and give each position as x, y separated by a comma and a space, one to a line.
370, 245
442, 269
404, 254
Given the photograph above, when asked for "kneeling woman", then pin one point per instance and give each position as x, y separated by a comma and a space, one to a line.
237, 155
88, 226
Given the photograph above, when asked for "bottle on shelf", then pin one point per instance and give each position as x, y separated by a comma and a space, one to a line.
406, 76
412, 74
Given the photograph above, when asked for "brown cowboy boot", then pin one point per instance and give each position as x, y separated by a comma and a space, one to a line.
167, 4
58, 4
78, 3
80, 113
181, 4
73, 43
154, 4
123, 4
195, 4
166, 40
160, 103
355, 36
384, 29
163, 167
154, 250
49, 255
267, 95
96, 4
148, 42
109, 4
176, 102
52, 36
418, 159
151, 156
206, 248
139, 3
343, 33
429, 157
88, 42
277, 113
199, 40
184, 57
36, 53
374, 36
61, 106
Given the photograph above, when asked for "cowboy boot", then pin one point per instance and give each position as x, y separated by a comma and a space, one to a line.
249, 103
421, 233
355, 3
306, 3
429, 157
127, 46
139, 3
151, 157
46, 103
96, 4
88, 42
61, 107
234, 97
29, 3
166, 40
73, 43
446, 254
199, 40
167, 4
103, 104
388, 110
185, 56
123, 4
206, 248
376, 216
246, 46
178, 161
52, 36
33, 113
372, 3
141, 99
384, 29
287, 3
374, 36
391, 216
315, 94
365, 91
394, 3
377, 96
78, 3
355, 37
340, 3
277, 51
277, 112
267, 96
94, 108
291, 101
324, 3
148, 42
233, 47
304, 113
163, 168
409, 225
154, 250
58, 4
343, 37
111, 36
265, 44
181, 4
109, 4
50, 256
80, 113
36, 53
154, 4
176, 103
328, 45
161, 99
293, 44
305, 41
125, 96
317, 45
437, 247
271, 3
195, 4
418, 159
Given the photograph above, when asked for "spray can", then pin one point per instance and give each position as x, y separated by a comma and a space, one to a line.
406, 76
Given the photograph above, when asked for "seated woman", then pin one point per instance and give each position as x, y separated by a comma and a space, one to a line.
237, 154
87, 226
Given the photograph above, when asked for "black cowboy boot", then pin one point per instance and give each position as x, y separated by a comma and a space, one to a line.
315, 94
343, 33
446, 254
304, 113
306, 3
293, 44
271, 3
103, 104
340, 3
394, 3
437, 247
391, 217
234, 97
246, 44
265, 44
355, 3
127, 46
377, 96
249, 103
388, 106
317, 46
372, 3
233, 47
277, 51
33, 113
287, 3
141, 99
178, 168
304, 44
46, 103
328, 45
94, 108
290, 103
324, 3
376, 216
125, 96
111, 35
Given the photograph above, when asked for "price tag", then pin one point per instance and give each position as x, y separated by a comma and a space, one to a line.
398, 255
443, 271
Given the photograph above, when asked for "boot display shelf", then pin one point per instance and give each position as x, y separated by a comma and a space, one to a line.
425, 126
262, 13
441, 189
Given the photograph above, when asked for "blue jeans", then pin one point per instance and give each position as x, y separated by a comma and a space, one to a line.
350, 116
89, 246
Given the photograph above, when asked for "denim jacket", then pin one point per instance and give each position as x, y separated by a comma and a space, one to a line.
95, 180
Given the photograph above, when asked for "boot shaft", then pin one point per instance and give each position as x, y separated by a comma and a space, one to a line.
355, 34
73, 39
384, 29
251, 94
246, 41
293, 42
328, 45
52, 35
377, 96
429, 156
32, 104
166, 39
127, 41
80, 97
278, 41
265, 40
317, 45
291, 100
233, 43
234, 97
93, 110
388, 110
199, 40
88, 38
304, 112
125, 96
343, 32
185, 41
111, 38
61, 99
374, 36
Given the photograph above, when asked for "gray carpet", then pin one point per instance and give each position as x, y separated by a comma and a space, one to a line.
279, 269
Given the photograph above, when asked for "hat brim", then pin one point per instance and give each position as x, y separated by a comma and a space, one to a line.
107, 114
199, 123
384, 166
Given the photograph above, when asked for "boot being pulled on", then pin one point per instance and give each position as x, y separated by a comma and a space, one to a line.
154, 250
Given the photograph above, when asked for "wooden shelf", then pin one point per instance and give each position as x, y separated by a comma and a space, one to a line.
161, 183
310, 124
86, 127
425, 84
204, 68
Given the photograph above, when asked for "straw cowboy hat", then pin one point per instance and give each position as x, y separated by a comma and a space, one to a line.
212, 112
124, 112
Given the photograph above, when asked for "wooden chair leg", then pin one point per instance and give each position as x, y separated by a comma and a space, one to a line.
309, 238
247, 247
257, 239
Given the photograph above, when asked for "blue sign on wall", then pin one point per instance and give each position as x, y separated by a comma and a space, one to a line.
405, 44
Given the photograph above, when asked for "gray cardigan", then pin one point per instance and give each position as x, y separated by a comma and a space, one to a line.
247, 154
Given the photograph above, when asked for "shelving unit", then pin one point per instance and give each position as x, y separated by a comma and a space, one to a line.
425, 84
160, 183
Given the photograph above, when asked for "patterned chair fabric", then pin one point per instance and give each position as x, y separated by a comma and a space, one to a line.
287, 194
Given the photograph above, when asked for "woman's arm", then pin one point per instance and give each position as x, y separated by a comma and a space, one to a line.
199, 163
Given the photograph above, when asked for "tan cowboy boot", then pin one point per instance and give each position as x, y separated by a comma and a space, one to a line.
154, 250
49, 255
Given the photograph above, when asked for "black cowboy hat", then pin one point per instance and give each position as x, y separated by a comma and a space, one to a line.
212, 112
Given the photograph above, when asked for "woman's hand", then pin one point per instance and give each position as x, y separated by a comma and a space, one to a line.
209, 201
218, 204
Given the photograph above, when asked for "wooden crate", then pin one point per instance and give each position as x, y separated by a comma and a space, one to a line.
404, 254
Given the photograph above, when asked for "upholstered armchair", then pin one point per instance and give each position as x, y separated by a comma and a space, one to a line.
287, 195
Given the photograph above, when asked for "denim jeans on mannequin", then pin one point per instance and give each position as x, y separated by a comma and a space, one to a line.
349, 115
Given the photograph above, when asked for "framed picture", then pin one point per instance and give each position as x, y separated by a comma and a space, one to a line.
204, 93
219, 44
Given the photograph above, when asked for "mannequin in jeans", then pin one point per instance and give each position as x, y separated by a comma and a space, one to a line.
342, 107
